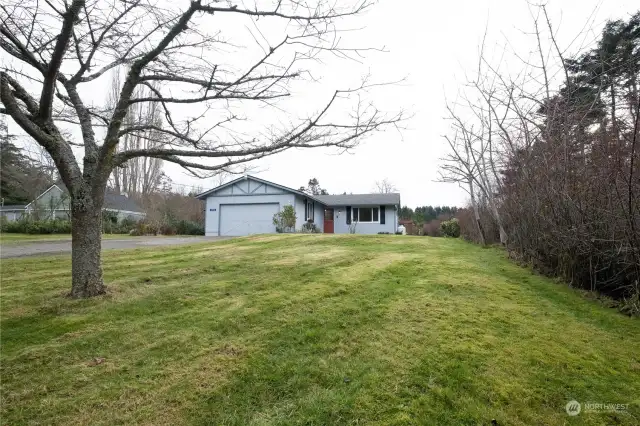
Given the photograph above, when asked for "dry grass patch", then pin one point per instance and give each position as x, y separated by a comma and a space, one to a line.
368, 266
314, 254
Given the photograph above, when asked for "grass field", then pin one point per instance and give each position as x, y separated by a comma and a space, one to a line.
8, 238
310, 329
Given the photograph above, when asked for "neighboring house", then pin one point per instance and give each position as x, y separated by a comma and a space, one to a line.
54, 203
246, 206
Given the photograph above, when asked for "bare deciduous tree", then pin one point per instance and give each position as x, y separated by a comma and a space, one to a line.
59, 50
459, 167
385, 186
139, 176
552, 152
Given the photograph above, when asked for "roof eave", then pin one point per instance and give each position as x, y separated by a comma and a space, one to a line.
357, 204
204, 195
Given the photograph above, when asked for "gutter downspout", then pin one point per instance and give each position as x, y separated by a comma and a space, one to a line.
395, 220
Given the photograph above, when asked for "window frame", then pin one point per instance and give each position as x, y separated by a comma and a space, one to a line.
310, 208
353, 214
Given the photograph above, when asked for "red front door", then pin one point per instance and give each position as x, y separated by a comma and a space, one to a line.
328, 221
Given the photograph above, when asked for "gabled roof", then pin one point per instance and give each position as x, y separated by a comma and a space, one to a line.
115, 201
205, 194
60, 187
328, 200
360, 199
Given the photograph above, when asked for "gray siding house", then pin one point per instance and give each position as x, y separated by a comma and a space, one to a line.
246, 206
12, 212
54, 204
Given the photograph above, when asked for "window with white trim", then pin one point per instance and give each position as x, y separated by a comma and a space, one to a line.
365, 214
309, 213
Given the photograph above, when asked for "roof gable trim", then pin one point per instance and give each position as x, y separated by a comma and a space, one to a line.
48, 189
206, 194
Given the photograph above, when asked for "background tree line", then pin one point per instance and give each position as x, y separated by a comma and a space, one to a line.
424, 214
551, 159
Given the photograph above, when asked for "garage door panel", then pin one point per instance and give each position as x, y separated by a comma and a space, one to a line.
247, 219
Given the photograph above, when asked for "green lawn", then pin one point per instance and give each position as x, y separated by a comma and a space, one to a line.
6, 238
310, 329
10, 238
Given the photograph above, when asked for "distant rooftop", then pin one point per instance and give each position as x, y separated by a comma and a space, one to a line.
12, 207
359, 199
112, 200
120, 202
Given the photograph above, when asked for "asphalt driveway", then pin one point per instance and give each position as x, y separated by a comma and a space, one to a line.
35, 248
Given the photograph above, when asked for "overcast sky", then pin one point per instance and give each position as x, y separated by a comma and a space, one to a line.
433, 45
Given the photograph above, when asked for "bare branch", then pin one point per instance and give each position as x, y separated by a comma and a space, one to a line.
51, 75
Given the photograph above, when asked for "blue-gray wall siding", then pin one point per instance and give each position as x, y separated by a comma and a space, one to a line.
53, 197
249, 187
12, 216
340, 225
247, 191
318, 213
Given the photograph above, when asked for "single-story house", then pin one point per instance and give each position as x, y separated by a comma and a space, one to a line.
247, 205
54, 204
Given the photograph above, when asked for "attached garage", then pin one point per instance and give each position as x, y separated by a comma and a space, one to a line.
247, 219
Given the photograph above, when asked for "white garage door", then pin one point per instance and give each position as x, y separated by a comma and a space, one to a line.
246, 219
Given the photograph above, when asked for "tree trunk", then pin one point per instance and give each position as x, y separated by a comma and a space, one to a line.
496, 215
476, 213
86, 235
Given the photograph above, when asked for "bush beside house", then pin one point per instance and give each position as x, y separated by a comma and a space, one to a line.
109, 226
30, 226
285, 219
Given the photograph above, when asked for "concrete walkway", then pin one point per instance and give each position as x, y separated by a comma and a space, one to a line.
35, 248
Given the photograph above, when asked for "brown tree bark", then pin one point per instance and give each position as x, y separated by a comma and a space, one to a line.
86, 236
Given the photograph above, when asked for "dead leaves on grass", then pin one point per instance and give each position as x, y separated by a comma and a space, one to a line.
95, 361
228, 351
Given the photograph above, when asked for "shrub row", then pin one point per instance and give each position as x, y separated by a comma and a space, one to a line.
109, 226
26, 226
179, 227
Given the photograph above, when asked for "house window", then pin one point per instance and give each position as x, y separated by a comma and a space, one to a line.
309, 210
365, 214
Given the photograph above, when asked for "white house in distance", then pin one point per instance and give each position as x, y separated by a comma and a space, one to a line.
54, 204
247, 205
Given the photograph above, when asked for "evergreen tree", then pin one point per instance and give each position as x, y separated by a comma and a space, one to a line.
313, 188
21, 179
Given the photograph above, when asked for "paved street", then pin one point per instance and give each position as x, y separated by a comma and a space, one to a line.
34, 248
